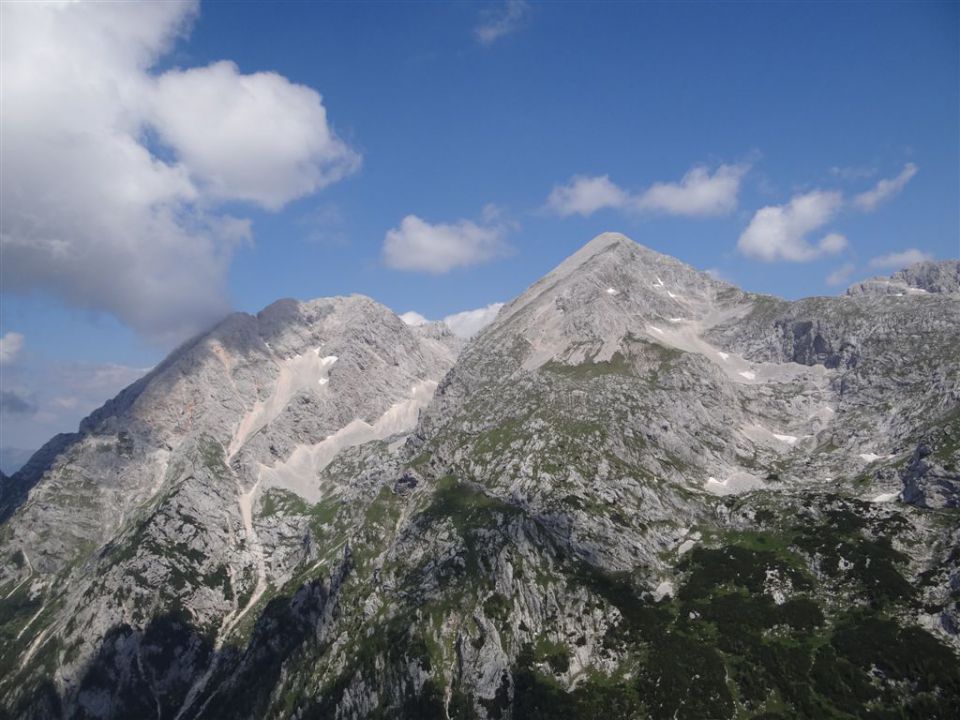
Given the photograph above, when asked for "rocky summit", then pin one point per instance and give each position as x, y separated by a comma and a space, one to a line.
641, 492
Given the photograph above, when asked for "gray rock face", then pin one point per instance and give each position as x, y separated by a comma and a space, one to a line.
639, 491
931, 277
934, 277
151, 505
931, 477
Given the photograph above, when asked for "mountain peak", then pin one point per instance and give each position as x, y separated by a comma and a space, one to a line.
611, 244
606, 239
609, 290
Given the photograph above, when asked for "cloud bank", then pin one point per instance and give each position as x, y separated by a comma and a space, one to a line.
112, 174
497, 22
899, 260
699, 193
781, 232
468, 323
885, 189
13, 403
584, 195
438, 248
464, 324
48, 397
841, 275
10, 346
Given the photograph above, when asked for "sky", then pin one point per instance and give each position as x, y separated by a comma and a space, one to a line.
166, 163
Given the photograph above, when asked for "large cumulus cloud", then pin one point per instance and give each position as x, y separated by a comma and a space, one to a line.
113, 173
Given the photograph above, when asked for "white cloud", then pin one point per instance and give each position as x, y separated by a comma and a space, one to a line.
325, 225
10, 346
258, 138
584, 195
468, 323
464, 324
111, 174
885, 189
699, 194
419, 245
853, 173
832, 244
899, 260
780, 232
841, 275
414, 318
500, 21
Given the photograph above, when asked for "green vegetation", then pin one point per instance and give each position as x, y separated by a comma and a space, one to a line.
735, 565
497, 607
589, 368
284, 502
212, 456
540, 697
465, 505
421, 459
553, 653
741, 654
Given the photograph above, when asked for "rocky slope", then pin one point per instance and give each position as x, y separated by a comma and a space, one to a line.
150, 507
640, 492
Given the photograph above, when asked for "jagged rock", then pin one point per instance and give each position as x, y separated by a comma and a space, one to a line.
928, 276
928, 483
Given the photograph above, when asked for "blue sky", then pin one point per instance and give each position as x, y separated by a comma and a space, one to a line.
792, 148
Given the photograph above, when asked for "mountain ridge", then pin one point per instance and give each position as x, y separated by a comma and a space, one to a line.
321, 511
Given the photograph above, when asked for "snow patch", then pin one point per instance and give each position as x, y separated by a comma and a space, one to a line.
886, 497
873, 457
295, 375
748, 374
671, 295
656, 329
299, 472
788, 439
612, 291
736, 483
676, 320
723, 355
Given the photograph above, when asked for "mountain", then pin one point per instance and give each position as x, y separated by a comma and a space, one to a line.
640, 492
922, 277
12, 459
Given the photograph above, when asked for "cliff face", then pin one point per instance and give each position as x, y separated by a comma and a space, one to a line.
640, 492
